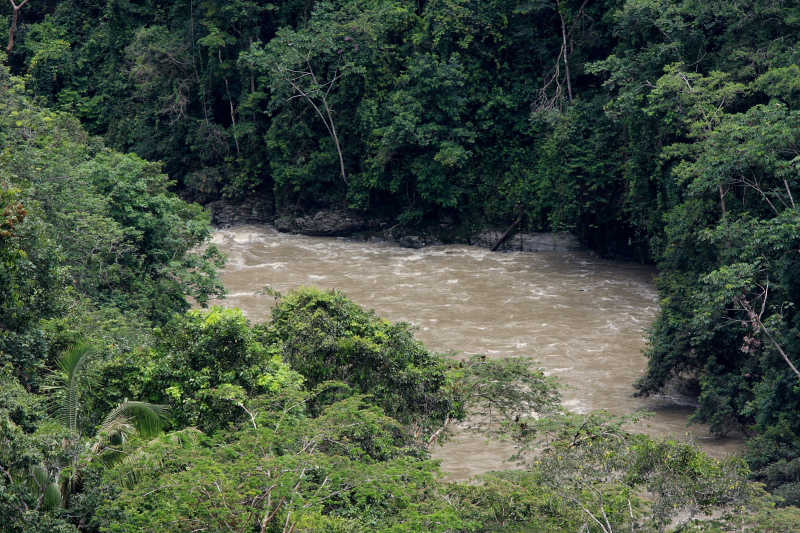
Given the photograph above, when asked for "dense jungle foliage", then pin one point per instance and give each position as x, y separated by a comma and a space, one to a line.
662, 130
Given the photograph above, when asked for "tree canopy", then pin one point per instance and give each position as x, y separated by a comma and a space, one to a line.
658, 130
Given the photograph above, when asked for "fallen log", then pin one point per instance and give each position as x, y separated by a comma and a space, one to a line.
507, 234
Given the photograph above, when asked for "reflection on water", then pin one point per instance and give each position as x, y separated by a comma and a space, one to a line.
580, 316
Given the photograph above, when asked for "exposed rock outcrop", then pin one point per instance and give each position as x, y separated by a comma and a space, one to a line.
256, 210
419, 241
528, 242
328, 223
352, 225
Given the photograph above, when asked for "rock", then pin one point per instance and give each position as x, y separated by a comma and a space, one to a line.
351, 225
419, 241
284, 224
485, 238
446, 220
528, 242
327, 223
256, 210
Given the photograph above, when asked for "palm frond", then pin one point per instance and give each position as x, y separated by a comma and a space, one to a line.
149, 419
38, 479
41, 485
52, 496
133, 466
130, 469
75, 365
114, 432
187, 437
73, 360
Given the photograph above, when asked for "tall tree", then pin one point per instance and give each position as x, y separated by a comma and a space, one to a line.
12, 31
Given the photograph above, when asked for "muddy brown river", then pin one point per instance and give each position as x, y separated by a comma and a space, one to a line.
580, 316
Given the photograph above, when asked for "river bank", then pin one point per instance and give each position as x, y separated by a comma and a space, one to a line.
353, 226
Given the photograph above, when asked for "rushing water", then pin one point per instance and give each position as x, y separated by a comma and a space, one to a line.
580, 316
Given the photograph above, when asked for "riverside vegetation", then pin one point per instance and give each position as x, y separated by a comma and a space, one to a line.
665, 130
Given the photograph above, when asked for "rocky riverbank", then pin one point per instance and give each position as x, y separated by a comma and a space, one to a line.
351, 225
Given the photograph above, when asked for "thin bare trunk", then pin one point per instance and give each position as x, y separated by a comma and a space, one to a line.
230, 102
324, 98
233, 117
565, 50
577, 18
328, 125
780, 350
335, 139
507, 234
252, 72
14, 21
328, 121
438, 432
269, 515
755, 320
756, 186
565, 45
543, 101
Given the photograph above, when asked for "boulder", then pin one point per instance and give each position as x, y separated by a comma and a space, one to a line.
419, 241
528, 242
327, 223
225, 213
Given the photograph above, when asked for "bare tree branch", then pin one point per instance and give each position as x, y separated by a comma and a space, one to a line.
14, 21
758, 324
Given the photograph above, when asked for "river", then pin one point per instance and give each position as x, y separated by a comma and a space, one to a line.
580, 316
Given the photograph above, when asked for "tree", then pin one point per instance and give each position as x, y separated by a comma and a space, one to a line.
745, 221
320, 74
326, 337
77, 375
43, 463
206, 365
551, 95
631, 482
126, 238
294, 69
128, 418
14, 21
30, 452
342, 469
31, 287
421, 139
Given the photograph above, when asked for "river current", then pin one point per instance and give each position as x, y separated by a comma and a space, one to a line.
581, 317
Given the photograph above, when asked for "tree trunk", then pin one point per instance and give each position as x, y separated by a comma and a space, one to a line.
507, 234
755, 320
14, 21
566, 52
336, 140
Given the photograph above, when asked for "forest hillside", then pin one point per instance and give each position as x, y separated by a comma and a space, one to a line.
662, 130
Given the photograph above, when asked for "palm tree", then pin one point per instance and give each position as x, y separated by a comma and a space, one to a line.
75, 374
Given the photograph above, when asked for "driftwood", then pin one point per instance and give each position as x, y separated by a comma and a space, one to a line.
507, 234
